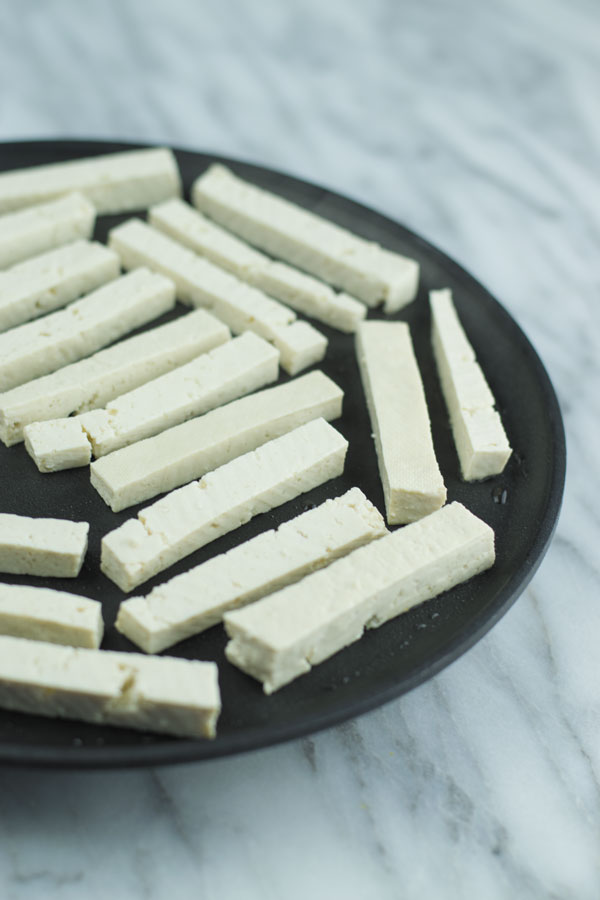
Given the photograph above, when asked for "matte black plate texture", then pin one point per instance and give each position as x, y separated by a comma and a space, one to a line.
521, 505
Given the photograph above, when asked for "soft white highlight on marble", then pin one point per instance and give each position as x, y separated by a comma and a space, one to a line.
476, 124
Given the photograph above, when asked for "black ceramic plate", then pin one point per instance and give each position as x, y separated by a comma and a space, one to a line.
521, 505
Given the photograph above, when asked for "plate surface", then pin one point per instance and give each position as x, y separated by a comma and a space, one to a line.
522, 506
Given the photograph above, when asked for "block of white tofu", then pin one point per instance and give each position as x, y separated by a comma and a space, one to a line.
44, 283
52, 547
412, 482
31, 231
192, 602
187, 451
300, 346
363, 268
113, 182
130, 690
91, 383
57, 444
481, 443
200, 283
283, 635
44, 345
302, 292
42, 614
236, 368
200, 512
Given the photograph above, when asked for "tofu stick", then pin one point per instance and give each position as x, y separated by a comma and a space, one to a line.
200, 283
148, 693
45, 283
42, 614
192, 602
187, 451
51, 547
282, 636
39, 347
302, 292
343, 259
200, 512
39, 228
113, 182
412, 483
481, 443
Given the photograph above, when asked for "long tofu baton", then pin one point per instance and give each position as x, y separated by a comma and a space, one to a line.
31, 231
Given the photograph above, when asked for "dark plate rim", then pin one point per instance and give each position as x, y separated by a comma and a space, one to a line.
185, 751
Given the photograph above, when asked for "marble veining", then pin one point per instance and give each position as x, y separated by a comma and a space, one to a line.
475, 124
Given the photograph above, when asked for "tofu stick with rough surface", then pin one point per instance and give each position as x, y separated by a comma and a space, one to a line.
43, 614
44, 283
481, 443
37, 229
412, 482
187, 451
282, 636
113, 182
302, 292
92, 382
192, 602
40, 347
51, 547
200, 283
200, 512
287, 231
130, 690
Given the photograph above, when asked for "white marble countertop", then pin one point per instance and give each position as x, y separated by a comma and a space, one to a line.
477, 126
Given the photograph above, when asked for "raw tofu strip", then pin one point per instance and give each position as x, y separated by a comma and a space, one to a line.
481, 442
93, 382
187, 451
224, 499
302, 292
343, 259
53, 547
42, 614
40, 228
114, 182
192, 602
57, 444
149, 693
300, 346
200, 283
285, 634
225, 373
47, 282
412, 483
102, 317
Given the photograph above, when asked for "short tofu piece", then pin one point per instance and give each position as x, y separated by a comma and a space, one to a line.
57, 444
42, 614
53, 547
39, 228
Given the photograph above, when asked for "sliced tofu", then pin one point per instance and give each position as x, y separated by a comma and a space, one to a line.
412, 482
200, 283
162, 694
53, 547
481, 443
225, 373
100, 318
57, 444
113, 182
282, 636
187, 451
224, 499
42, 614
306, 240
302, 292
192, 602
47, 282
93, 382
31, 231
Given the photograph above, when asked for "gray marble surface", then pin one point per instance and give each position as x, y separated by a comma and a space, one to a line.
476, 124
